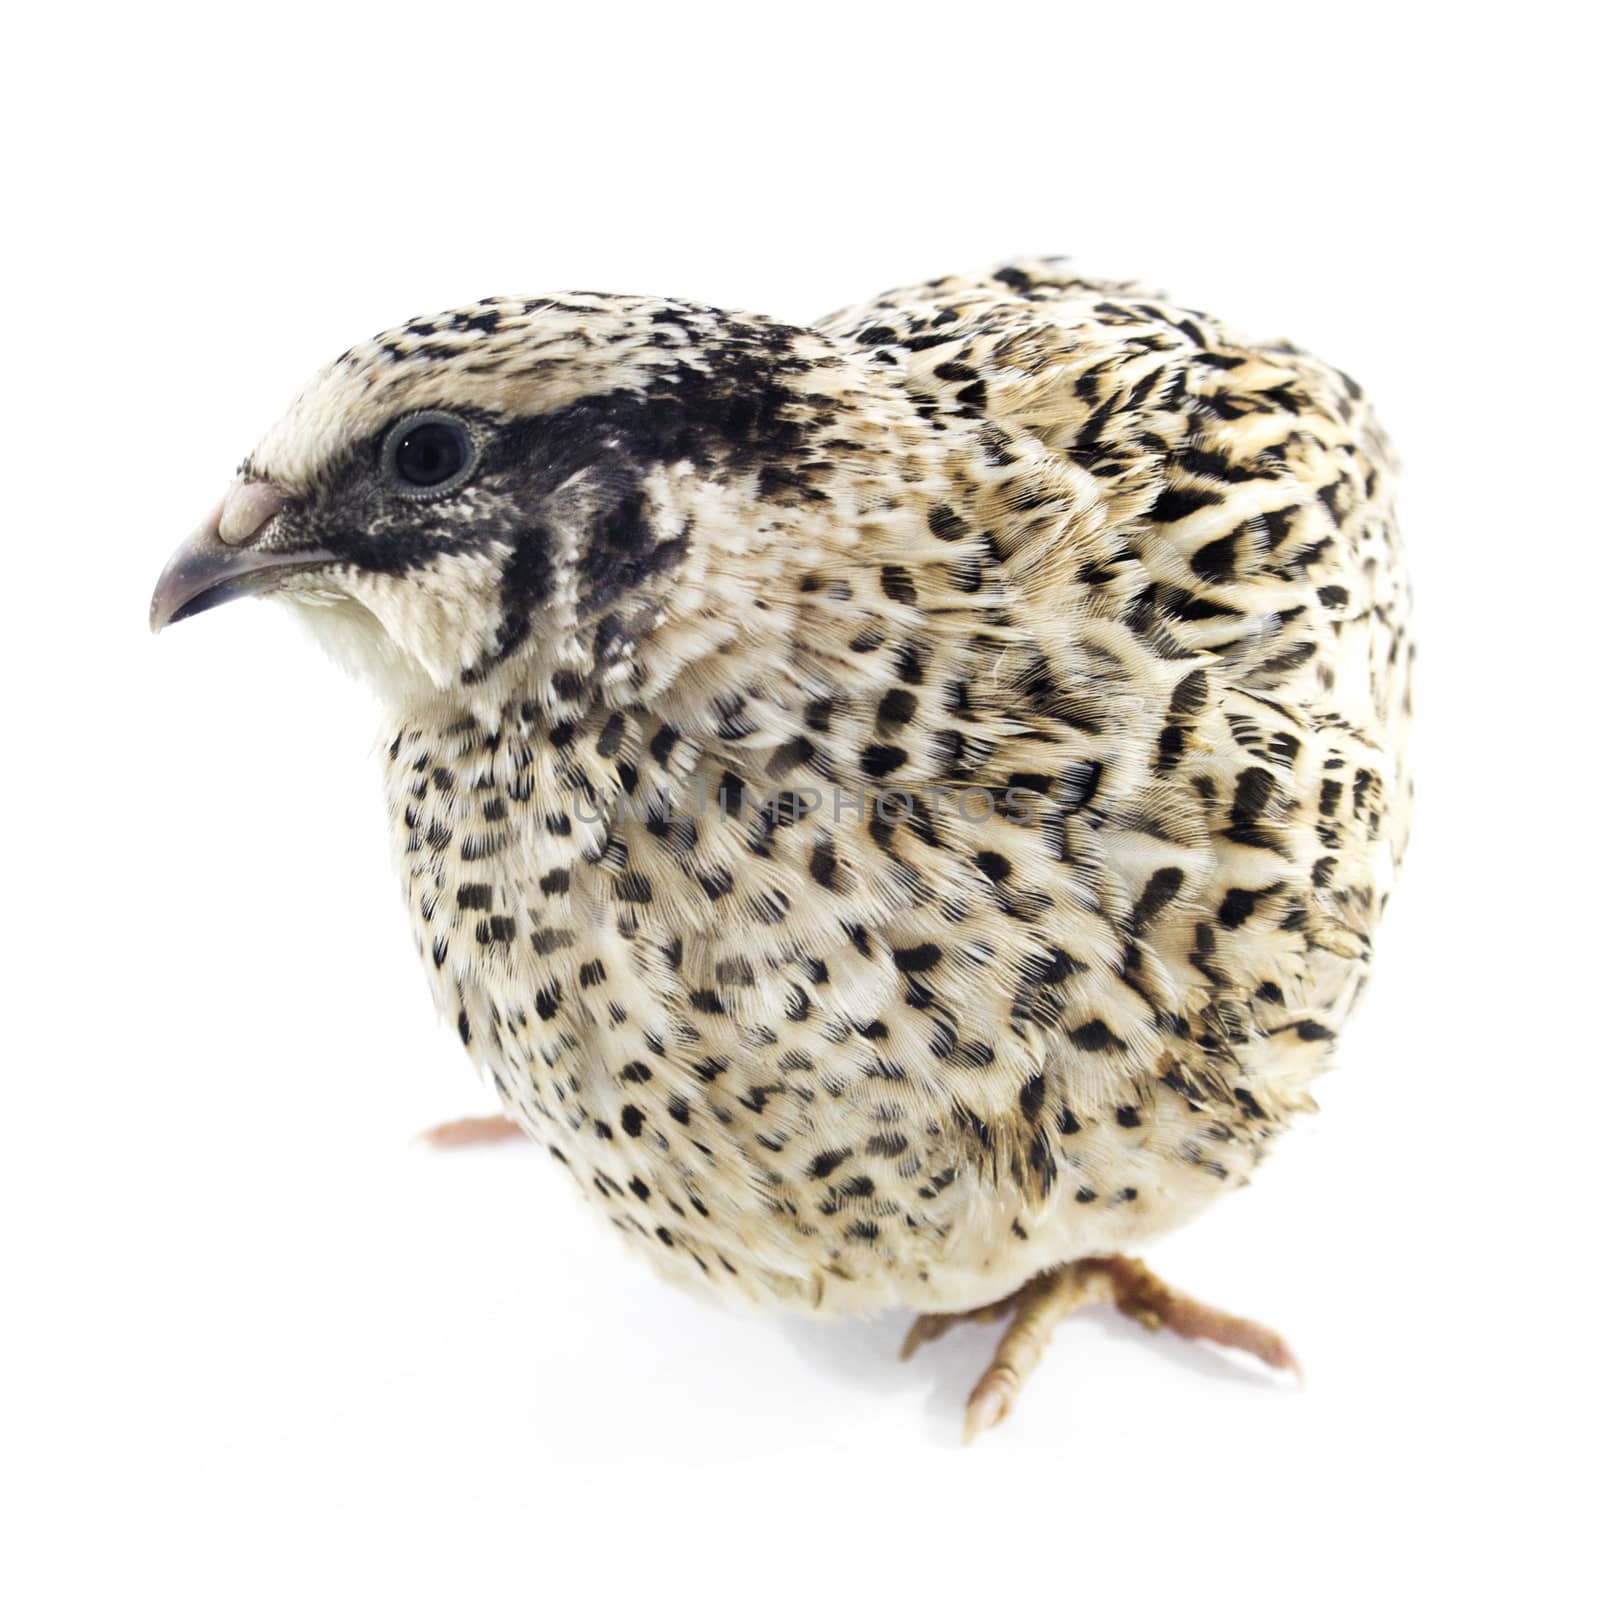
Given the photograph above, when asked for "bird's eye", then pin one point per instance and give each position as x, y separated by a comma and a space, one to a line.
429, 454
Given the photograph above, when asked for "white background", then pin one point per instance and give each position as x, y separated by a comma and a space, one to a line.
256, 1340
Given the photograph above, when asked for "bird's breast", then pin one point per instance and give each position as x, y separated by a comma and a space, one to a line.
818, 1053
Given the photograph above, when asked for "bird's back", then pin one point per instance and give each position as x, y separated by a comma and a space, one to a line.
1252, 480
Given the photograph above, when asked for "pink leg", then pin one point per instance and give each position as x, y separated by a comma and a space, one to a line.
465, 1131
1040, 1306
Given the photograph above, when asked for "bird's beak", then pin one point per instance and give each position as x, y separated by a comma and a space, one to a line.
228, 555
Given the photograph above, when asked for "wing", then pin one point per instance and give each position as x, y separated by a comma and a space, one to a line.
1234, 516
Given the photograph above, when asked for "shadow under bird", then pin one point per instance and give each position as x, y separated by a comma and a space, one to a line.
899, 808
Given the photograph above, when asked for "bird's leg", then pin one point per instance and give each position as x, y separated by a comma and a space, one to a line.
466, 1131
931, 1324
1045, 1301
1035, 1310
1140, 1294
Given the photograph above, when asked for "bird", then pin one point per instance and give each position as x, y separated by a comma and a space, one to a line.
899, 808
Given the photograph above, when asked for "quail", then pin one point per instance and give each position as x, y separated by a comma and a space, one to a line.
898, 808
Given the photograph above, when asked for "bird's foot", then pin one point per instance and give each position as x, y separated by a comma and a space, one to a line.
1037, 1308
465, 1131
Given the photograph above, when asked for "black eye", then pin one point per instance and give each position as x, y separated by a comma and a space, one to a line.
429, 453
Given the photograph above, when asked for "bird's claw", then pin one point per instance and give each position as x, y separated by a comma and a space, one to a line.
1040, 1305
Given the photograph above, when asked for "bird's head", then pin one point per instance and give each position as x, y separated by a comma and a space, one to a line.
553, 498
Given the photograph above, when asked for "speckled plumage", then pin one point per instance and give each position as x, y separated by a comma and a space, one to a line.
1105, 598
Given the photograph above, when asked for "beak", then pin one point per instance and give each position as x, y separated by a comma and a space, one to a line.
228, 556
